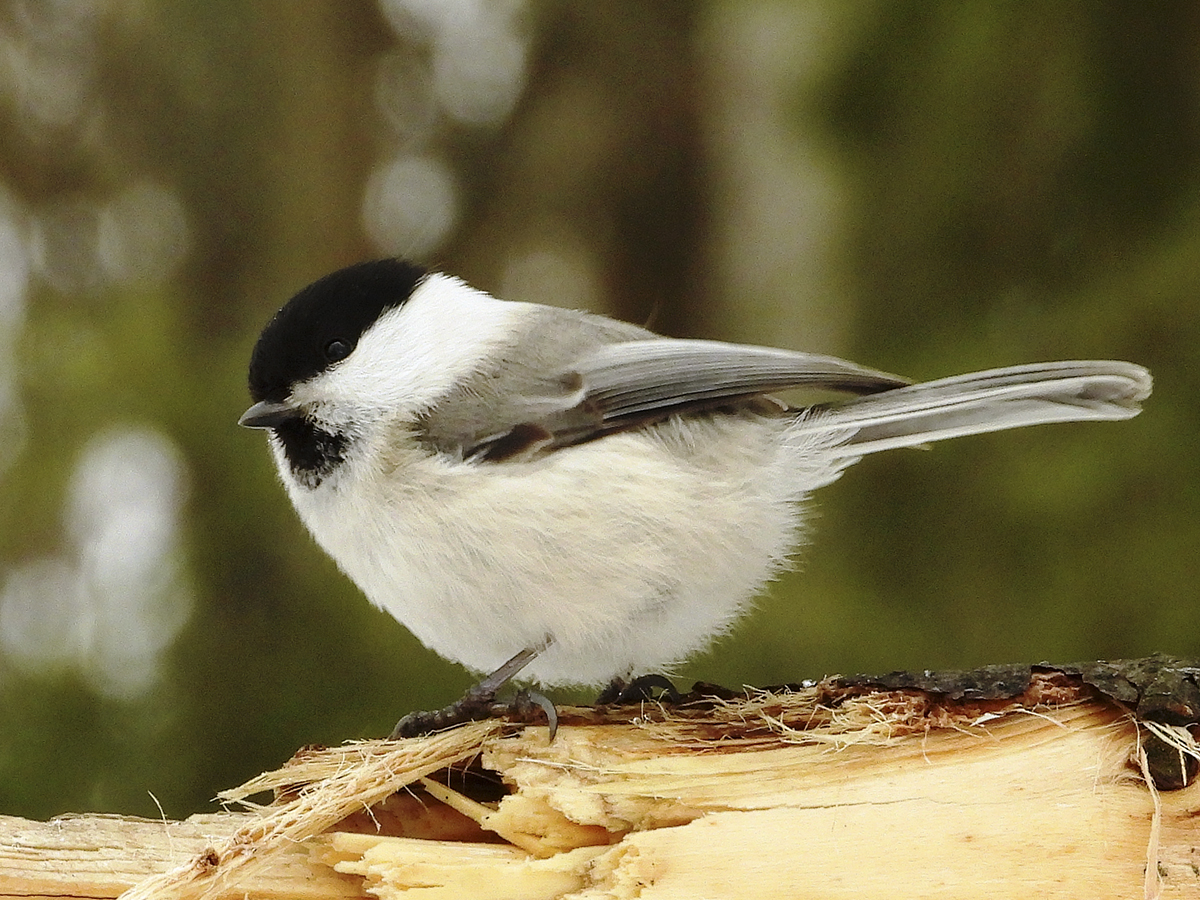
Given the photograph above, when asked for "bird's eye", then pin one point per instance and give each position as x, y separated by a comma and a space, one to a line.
337, 349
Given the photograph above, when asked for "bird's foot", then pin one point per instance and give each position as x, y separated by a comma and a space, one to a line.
480, 703
641, 688
473, 706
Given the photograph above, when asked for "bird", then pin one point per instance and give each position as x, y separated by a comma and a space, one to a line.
554, 494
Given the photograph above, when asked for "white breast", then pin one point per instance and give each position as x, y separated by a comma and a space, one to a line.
629, 552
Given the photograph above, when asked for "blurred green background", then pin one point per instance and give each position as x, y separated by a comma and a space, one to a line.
926, 187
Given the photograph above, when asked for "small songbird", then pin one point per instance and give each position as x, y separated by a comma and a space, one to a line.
576, 496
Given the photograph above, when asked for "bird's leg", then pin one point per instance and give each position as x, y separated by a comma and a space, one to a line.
480, 703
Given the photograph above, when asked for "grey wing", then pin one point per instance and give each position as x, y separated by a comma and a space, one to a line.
571, 377
633, 382
541, 398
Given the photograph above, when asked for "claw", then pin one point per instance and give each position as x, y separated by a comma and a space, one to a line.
528, 700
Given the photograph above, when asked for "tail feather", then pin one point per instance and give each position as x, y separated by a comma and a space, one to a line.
994, 400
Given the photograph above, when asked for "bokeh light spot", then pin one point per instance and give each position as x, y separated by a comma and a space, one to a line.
112, 603
411, 205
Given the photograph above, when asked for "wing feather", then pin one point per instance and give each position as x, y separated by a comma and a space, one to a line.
626, 384
637, 378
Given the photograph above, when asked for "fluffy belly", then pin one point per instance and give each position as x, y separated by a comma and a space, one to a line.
626, 554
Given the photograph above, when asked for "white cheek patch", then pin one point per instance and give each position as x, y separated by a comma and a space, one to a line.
418, 352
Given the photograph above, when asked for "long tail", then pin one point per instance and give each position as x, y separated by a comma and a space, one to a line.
994, 400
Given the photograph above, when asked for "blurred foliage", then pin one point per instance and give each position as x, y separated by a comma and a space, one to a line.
1014, 183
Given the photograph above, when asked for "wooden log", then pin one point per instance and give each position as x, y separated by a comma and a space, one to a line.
879, 794
93, 856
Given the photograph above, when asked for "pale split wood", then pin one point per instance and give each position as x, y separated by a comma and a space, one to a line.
766, 798
1043, 805
97, 856
354, 779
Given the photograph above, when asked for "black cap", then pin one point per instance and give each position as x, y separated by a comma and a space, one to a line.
322, 324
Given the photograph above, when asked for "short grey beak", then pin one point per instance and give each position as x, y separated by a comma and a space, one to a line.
268, 414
